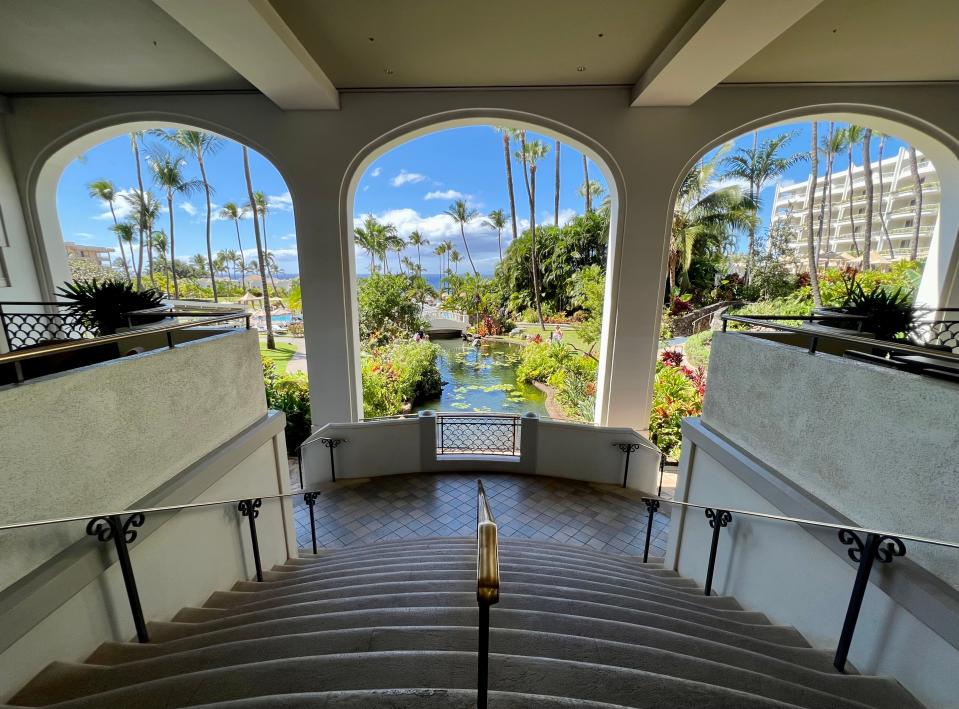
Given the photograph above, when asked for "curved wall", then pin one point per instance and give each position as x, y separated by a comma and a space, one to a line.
317, 152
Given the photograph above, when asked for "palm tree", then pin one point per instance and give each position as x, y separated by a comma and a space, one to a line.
105, 191
199, 263
854, 136
232, 211
272, 268
556, 201
586, 185
441, 252
366, 238
507, 133
135, 137
831, 147
461, 214
168, 173
124, 232
882, 207
867, 175
590, 191
270, 342
226, 261
917, 189
158, 242
199, 145
455, 259
810, 240
704, 217
395, 243
259, 207
757, 166
497, 222
531, 154
416, 239
146, 209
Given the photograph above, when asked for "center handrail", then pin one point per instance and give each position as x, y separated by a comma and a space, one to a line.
487, 586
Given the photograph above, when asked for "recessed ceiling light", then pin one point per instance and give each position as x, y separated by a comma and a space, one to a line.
580, 68
372, 39
600, 34
388, 71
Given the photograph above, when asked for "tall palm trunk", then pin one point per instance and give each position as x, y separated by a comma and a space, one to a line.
830, 159
867, 175
270, 343
822, 204
123, 253
917, 187
136, 157
176, 285
239, 243
266, 247
589, 196
751, 244
209, 220
529, 175
882, 198
852, 218
810, 197
556, 205
466, 244
509, 183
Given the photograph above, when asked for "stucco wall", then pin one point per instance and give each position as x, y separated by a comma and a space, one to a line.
879, 445
100, 437
906, 629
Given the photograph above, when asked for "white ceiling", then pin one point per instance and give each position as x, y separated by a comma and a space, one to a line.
134, 45
103, 45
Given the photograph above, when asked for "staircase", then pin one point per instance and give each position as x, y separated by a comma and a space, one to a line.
394, 625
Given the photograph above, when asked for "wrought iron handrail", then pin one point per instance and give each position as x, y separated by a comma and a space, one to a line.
487, 585
815, 335
79, 344
866, 546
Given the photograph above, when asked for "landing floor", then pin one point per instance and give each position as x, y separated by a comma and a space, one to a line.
444, 505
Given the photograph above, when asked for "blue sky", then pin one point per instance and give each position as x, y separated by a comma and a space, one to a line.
410, 187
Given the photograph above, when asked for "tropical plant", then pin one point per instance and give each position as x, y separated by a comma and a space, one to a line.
135, 138
507, 133
810, 229
145, 210
289, 393
588, 292
159, 243
124, 232
590, 191
704, 218
885, 313
757, 166
497, 222
233, 212
867, 176
397, 376
416, 239
455, 259
168, 174
106, 192
833, 144
387, 308
586, 190
267, 308
854, 135
677, 394
556, 201
882, 199
200, 145
102, 306
530, 154
462, 215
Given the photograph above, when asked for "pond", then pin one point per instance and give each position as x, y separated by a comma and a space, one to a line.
483, 379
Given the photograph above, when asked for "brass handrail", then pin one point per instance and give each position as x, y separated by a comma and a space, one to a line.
487, 550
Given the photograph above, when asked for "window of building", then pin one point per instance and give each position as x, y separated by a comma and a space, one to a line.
909, 222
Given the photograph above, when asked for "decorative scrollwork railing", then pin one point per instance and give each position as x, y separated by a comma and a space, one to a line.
478, 434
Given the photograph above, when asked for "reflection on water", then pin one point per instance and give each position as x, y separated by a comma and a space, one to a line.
483, 379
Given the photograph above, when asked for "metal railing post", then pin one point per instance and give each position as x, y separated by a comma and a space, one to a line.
662, 471
864, 553
299, 464
332, 443
651, 507
108, 529
717, 520
251, 510
310, 500
482, 656
628, 449
487, 587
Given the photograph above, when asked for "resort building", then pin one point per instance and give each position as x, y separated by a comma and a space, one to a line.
894, 216
97, 255
159, 548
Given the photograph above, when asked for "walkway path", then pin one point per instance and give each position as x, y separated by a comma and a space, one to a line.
602, 517
297, 362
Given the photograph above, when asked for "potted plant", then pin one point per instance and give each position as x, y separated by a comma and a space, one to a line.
102, 306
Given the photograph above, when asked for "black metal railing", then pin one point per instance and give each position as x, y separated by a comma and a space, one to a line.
328, 442
37, 335
867, 546
487, 586
478, 434
926, 358
120, 529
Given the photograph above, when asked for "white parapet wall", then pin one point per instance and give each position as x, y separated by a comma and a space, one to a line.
547, 447
879, 445
801, 576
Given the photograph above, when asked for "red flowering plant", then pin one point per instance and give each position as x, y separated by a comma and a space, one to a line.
678, 393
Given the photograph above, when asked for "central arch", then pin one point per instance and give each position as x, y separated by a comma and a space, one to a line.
483, 117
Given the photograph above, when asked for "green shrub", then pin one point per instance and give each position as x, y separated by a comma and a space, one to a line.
289, 393
540, 361
397, 375
697, 348
571, 374
677, 394
388, 309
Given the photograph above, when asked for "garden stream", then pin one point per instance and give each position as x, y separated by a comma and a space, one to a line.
482, 379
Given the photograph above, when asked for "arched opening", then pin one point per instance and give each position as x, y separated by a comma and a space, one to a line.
830, 211
474, 280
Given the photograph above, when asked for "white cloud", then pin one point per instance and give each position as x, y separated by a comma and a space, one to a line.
376, 172
448, 194
729, 181
405, 177
288, 237
121, 206
83, 235
188, 208
281, 202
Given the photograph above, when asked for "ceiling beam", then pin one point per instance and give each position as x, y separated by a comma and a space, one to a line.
250, 36
719, 38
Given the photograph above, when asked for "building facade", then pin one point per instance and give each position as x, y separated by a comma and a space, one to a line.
894, 210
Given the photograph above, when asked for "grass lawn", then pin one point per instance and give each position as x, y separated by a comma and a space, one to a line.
280, 356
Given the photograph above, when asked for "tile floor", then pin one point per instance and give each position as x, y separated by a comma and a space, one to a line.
444, 505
